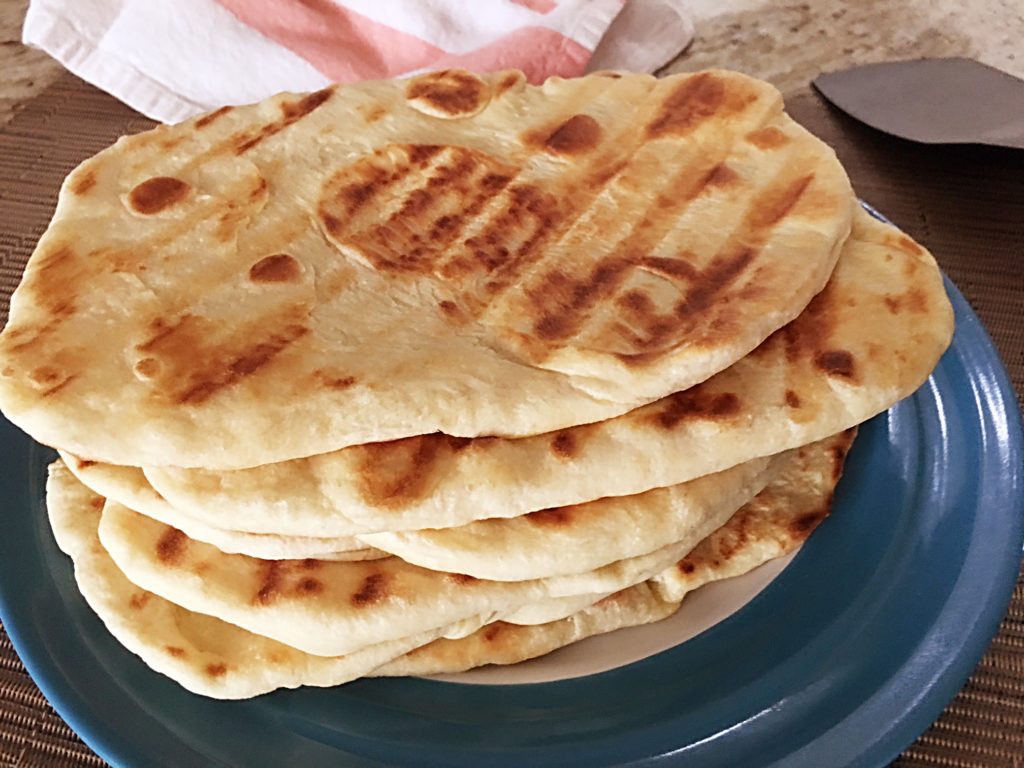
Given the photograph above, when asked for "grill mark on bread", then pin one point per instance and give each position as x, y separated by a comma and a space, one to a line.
416, 236
162, 329
158, 194
55, 259
373, 590
714, 279
722, 176
172, 141
670, 267
840, 452
555, 517
693, 101
578, 134
636, 302
84, 181
413, 213
450, 310
498, 260
175, 651
733, 536
58, 385
777, 201
211, 117
421, 154
270, 582
768, 137
486, 252
837, 362
907, 245
171, 546
531, 212
800, 528
372, 112
917, 301
713, 283
146, 368
291, 113
138, 600
197, 369
309, 586
216, 670
792, 399
452, 92
206, 384
914, 300
334, 381
809, 332
462, 579
564, 445
61, 268
696, 403
395, 473
276, 575
356, 194
696, 100
564, 303
279, 268
508, 82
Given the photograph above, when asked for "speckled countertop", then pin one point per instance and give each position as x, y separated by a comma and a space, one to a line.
786, 43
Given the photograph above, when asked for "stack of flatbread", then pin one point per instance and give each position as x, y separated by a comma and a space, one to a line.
414, 376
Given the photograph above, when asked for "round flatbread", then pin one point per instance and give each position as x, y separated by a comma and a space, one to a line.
350, 266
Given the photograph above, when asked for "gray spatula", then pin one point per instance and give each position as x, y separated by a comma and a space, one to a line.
933, 101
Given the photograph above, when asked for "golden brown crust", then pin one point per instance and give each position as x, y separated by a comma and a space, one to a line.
585, 246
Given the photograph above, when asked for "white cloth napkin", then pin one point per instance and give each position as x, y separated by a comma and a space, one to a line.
172, 60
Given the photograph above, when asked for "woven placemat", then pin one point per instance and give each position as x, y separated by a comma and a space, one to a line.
966, 204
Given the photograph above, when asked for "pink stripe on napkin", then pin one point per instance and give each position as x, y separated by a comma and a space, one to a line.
347, 46
540, 6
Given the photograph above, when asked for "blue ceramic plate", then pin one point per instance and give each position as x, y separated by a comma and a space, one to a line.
842, 661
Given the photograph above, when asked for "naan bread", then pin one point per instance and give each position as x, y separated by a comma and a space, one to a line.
552, 609
205, 655
868, 340
583, 537
504, 643
773, 524
128, 486
334, 608
286, 279
214, 658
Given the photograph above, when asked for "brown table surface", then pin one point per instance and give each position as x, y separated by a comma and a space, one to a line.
966, 204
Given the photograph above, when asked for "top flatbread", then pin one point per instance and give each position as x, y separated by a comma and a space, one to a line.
456, 253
